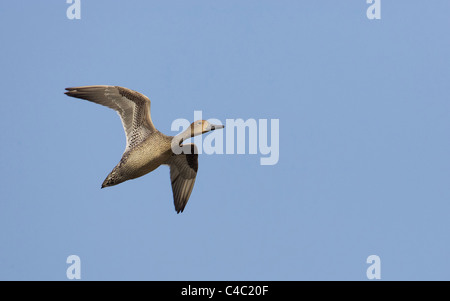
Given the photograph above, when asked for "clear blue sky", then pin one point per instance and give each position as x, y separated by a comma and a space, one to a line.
364, 164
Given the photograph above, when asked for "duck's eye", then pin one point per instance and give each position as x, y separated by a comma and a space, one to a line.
199, 123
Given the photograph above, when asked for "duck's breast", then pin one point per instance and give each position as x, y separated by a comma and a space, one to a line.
147, 156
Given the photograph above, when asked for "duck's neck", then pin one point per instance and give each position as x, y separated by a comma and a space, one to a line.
177, 141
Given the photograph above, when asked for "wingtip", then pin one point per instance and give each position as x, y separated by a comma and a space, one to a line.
69, 91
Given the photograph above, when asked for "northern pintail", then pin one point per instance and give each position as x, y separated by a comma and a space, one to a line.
147, 148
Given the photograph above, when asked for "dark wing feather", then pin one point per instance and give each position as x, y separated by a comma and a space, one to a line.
183, 171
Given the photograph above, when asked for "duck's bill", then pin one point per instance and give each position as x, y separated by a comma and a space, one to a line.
216, 126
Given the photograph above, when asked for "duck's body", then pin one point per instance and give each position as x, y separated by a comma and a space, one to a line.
141, 159
147, 148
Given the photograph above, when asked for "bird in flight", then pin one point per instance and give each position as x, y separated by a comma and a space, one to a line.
147, 148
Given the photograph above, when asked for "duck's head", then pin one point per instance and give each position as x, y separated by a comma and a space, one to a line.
196, 128
202, 126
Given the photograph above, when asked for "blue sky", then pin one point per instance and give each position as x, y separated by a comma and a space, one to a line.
364, 168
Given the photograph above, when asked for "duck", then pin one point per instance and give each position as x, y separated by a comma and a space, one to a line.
147, 148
